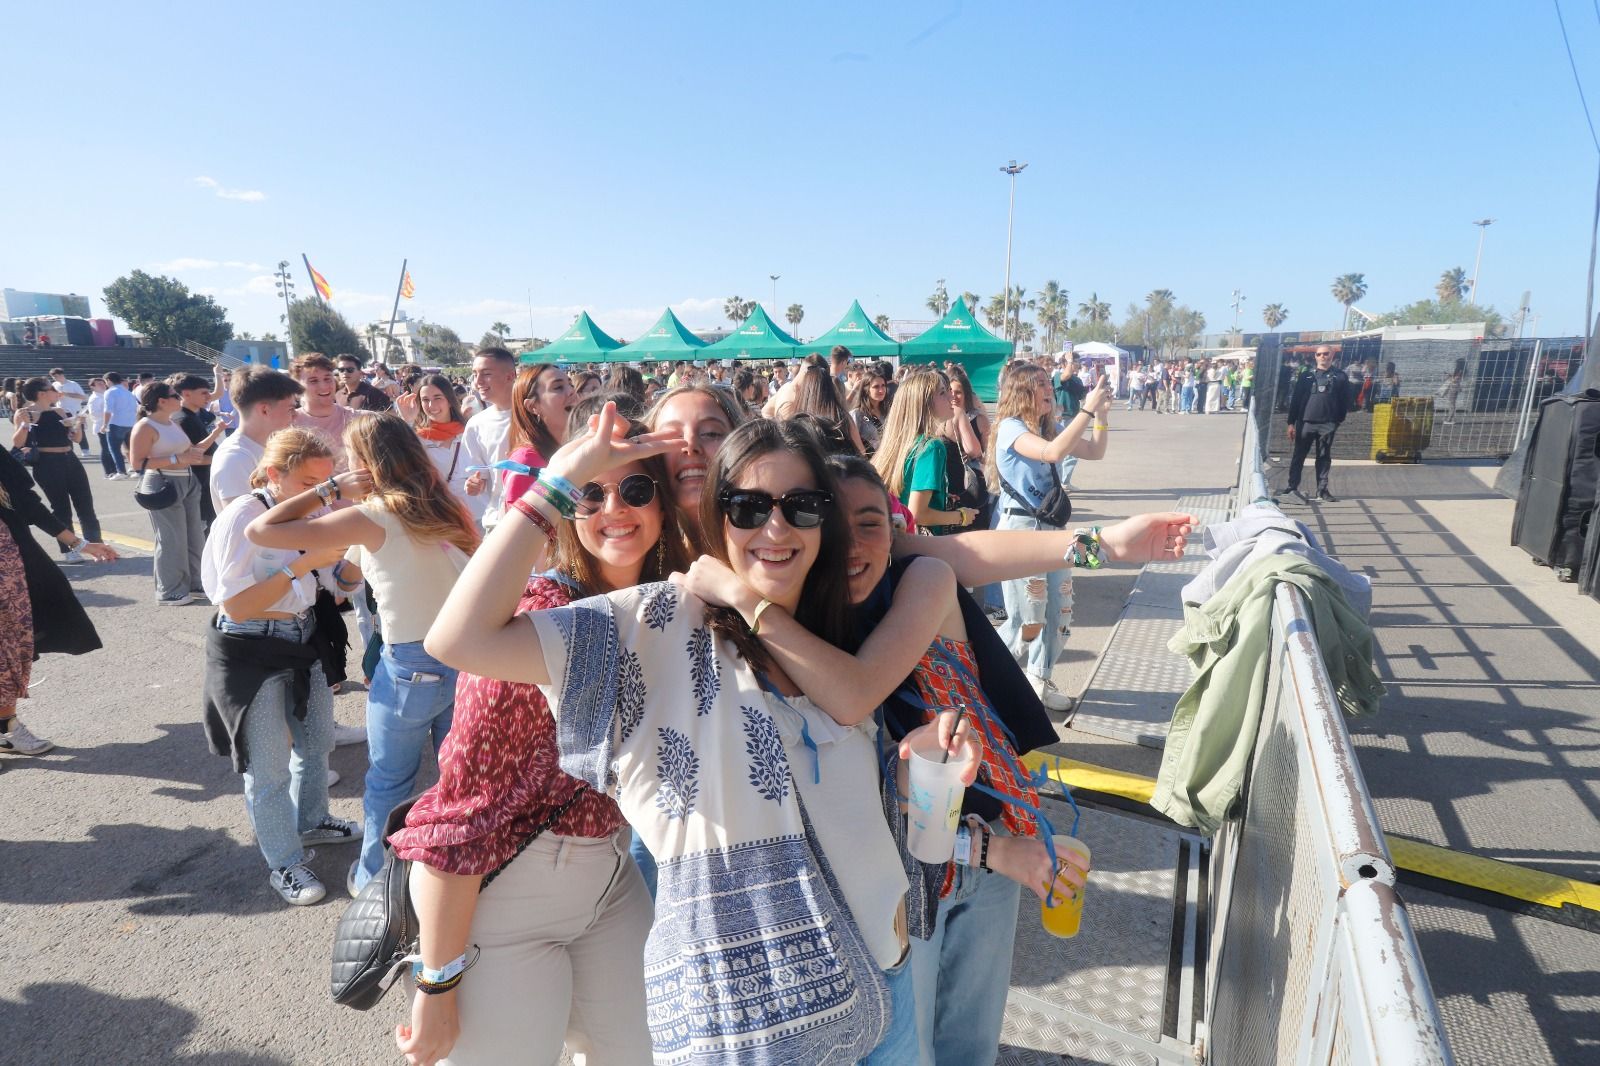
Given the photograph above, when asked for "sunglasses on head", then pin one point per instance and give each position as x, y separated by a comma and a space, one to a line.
635, 490
750, 508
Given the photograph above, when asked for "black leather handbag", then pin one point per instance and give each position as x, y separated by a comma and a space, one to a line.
377, 936
156, 491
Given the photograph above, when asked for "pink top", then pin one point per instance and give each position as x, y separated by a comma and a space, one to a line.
517, 484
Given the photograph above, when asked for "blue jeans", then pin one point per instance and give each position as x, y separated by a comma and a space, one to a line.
963, 971
411, 702
117, 436
899, 1045
645, 861
107, 464
286, 777
1053, 611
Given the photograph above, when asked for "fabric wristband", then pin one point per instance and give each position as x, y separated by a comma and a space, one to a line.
963, 854
522, 506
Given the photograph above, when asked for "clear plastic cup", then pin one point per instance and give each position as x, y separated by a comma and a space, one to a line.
1059, 915
934, 805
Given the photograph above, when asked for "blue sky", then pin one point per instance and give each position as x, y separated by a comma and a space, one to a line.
620, 157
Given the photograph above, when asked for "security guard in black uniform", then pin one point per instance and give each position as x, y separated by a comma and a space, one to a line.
1317, 408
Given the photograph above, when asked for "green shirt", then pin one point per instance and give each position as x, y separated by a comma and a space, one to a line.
925, 472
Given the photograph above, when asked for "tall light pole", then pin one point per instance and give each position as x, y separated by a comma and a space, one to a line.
1238, 298
774, 278
1012, 168
1483, 224
285, 286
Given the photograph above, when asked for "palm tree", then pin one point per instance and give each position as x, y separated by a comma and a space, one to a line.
737, 309
939, 302
971, 299
1347, 289
1019, 303
500, 329
1452, 287
882, 322
1094, 310
994, 312
373, 332
1274, 315
794, 315
1191, 324
1053, 306
1160, 296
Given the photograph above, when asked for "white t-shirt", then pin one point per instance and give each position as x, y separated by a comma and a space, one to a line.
70, 403
486, 442
230, 563
97, 412
235, 460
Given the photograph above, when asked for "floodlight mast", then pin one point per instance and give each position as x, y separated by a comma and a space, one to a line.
1012, 168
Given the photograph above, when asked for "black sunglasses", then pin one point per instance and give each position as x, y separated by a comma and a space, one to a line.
750, 508
635, 490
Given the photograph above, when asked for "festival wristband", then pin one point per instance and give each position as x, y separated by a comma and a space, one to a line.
561, 485
755, 618
563, 506
963, 855
1086, 550
532, 513
286, 572
450, 969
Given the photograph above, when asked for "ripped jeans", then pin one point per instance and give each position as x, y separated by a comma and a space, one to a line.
1044, 601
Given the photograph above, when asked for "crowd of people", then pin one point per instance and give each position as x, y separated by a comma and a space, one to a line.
670, 633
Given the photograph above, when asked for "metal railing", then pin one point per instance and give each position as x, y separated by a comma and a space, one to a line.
211, 355
1312, 958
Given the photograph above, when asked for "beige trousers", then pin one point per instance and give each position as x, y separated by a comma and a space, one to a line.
562, 932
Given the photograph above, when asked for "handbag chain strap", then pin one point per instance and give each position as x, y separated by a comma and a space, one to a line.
543, 827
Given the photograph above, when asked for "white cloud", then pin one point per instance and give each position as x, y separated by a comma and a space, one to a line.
260, 285
184, 264
249, 196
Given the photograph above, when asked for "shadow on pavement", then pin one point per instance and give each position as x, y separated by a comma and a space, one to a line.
179, 757
67, 1023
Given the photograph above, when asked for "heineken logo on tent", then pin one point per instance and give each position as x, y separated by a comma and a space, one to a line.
659, 331
956, 323
851, 327
954, 349
753, 331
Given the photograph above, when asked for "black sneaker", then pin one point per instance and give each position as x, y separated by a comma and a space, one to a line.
333, 830
1296, 493
1327, 497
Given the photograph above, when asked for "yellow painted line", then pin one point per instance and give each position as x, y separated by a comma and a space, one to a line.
1492, 875
128, 542
1475, 871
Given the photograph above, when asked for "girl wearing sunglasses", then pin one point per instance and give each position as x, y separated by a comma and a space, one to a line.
410, 537
563, 927
778, 864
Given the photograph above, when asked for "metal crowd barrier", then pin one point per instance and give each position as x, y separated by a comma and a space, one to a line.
1311, 955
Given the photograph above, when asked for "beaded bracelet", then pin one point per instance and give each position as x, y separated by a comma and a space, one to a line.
534, 516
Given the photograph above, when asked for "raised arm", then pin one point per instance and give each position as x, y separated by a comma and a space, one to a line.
987, 555
847, 687
287, 525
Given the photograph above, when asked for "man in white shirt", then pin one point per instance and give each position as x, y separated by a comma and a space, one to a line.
319, 409
72, 399
265, 401
487, 438
97, 426
122, 414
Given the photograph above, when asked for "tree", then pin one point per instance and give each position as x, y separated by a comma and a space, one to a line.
971, 299
269, 337
316, 327
1274, 315
939, 302
164, 310
1441, 312
491, 339
373, 332
1095, 310
440, 345
1160, 296
1347, 289
737, 309
794, 315
1052, 311
246, 336
1019, 303
501, 330
882, 322
1452, 286
994, 312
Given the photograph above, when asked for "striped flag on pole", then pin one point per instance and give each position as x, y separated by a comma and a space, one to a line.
320, 283
407, 289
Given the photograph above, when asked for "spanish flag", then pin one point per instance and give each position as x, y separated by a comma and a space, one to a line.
407, 289
320, 283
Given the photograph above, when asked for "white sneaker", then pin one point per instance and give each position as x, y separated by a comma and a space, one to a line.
297, 885
333, 777
344, 735
1053, 698
20, 741
74, 557
182, 601
332, 830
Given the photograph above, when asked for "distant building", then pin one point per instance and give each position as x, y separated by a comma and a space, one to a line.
406, 346
17, 303
259, 353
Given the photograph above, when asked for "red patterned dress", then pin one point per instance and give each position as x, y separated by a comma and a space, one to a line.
16, 625
499, 775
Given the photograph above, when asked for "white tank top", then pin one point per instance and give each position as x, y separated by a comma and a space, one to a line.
170, 440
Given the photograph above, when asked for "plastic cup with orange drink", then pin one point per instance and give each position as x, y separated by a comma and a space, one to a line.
1060, 913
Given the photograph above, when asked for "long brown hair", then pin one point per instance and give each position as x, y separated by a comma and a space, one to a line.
406, 483
1019, 400
442, 383
671, 554
527, 429
287, 449
909, 423
824, 607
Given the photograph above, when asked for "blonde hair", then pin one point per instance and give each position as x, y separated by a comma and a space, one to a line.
287, 449
406, 483
1017, 400
910, 422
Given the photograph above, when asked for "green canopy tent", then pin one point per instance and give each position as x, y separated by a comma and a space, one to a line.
584, 342
858, 333
667, 339
758, 337
960, 338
